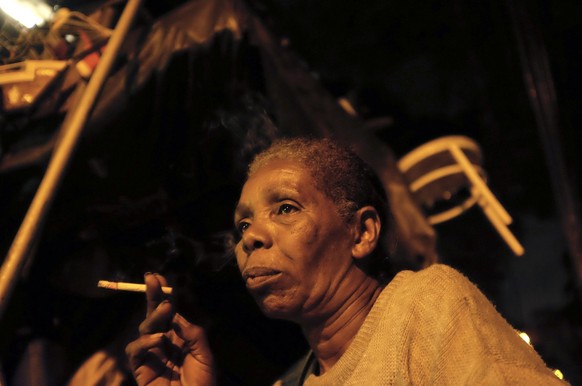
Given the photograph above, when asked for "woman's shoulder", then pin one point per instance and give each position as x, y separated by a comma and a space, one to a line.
433, 283
434, 274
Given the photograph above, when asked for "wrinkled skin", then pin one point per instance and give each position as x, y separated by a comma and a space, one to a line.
170, 350
295, 249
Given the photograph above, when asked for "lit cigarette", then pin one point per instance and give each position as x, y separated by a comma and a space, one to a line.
121, 286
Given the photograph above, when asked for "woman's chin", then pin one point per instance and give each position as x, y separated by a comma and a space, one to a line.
276, 308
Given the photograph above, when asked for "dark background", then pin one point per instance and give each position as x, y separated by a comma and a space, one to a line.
414, 71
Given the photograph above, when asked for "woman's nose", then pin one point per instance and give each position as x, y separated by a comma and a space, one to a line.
255, 237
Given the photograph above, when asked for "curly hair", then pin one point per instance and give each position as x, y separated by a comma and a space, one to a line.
342, 176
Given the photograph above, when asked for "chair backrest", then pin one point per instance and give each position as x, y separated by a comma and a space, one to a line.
436, 179
446, 177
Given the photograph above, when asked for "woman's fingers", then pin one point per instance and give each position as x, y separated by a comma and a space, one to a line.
170, 348
154, 295
198, 363
154, 357
194, 338
137, 350
158, 320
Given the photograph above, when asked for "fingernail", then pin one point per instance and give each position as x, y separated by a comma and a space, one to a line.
147, 274
179, 319
163, 303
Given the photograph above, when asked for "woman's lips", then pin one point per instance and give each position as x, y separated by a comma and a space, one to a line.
257, 277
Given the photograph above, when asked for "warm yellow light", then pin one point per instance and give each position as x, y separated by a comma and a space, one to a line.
347, 106
559, 374
27, 12
525, 337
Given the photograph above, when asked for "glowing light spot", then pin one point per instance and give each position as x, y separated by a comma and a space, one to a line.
347, 106
28, 13
558, 374
525, 337
70, 38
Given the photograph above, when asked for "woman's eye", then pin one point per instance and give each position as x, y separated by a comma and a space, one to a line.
243, 226
287, 209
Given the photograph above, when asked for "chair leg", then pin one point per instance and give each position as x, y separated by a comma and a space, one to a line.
479, 184
492, 208
502, 228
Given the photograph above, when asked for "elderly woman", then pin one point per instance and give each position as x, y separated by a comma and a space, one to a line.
312, 218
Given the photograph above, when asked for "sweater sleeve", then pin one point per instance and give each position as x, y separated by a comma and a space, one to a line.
471, 342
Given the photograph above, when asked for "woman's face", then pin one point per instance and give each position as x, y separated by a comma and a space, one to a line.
295, 249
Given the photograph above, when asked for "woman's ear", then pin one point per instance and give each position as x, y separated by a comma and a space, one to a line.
367, 227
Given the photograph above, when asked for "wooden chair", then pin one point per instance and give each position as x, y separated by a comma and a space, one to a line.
447, 178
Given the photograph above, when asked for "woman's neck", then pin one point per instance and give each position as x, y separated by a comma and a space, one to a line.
330, 338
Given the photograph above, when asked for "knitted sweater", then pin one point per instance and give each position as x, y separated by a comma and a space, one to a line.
431, 327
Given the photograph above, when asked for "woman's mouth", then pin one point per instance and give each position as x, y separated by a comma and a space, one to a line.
257, 277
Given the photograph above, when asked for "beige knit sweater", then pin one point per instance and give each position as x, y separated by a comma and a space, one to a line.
432, 327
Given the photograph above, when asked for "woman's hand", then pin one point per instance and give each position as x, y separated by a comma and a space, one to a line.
169, 350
